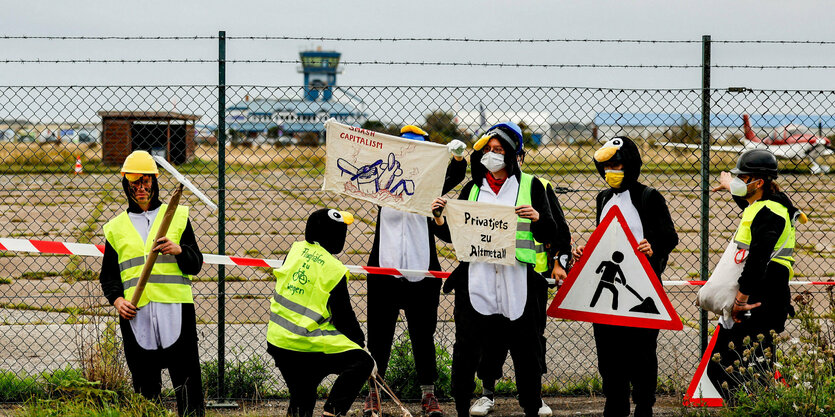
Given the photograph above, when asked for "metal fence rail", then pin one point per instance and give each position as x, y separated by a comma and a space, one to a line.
268, 180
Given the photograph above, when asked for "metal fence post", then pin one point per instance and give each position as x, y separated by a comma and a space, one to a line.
705, 172
221, 215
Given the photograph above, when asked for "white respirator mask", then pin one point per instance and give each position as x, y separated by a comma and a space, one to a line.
738, 187
493, 161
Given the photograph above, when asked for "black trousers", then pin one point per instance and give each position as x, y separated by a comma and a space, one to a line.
419, 300
627, 355
474, 332
762, 363
304, 371
181, 359
492, 360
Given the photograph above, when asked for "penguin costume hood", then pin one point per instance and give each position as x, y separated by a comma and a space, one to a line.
511, 140
624, 150
328, 228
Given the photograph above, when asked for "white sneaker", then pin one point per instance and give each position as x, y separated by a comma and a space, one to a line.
481, 407
544, 411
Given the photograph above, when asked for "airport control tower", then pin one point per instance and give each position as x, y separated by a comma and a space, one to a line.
320, 69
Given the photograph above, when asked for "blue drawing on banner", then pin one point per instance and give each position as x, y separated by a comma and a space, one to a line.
378, 177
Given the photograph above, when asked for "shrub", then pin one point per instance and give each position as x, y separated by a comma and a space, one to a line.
15, 388
247, 379
401, 375
102, 359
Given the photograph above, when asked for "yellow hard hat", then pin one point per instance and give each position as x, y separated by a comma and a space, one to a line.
139, 162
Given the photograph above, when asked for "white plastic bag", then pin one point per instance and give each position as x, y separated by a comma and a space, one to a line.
719, 292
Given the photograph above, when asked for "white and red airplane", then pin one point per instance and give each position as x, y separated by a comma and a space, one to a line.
791, 142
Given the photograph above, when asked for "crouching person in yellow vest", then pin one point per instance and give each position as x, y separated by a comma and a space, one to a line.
160, 331
313, 331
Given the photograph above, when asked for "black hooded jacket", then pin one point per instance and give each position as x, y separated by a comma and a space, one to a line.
657, 223
761, 280
190, 260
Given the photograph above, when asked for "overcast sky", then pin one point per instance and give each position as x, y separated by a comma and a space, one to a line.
642, 19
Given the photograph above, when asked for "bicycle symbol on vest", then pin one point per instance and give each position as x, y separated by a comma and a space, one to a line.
613, 274
300, 276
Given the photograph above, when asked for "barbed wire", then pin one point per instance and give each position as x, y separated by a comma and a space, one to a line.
408, 63
418, 39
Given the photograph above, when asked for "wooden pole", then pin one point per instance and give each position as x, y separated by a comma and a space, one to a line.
152, 257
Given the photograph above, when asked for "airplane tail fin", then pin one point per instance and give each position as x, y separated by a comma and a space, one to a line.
746, 127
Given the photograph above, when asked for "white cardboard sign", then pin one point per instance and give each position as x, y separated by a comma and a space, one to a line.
386, 170
482, 232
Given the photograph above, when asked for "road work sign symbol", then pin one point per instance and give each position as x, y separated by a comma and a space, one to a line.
613, 283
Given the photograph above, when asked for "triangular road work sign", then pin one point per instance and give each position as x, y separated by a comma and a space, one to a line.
702, 392
613, 283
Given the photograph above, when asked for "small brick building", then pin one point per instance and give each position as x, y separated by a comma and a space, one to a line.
162, 133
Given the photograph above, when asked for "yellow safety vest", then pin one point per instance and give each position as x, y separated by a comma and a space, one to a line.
784, 248
299, 314
167, 283
526, 247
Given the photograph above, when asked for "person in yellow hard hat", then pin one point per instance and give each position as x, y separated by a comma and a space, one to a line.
160, 331
313, 331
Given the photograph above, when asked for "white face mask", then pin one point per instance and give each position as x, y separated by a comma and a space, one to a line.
739, 188
493, 161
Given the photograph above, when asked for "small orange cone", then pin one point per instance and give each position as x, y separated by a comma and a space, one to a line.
78, 168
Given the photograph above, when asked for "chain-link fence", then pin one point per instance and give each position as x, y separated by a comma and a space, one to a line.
51, 306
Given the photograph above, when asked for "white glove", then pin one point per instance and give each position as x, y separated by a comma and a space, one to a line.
456, 148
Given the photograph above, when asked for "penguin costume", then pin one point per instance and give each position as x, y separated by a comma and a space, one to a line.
493, 299
313, 331
161, 330
406, 241
627, 354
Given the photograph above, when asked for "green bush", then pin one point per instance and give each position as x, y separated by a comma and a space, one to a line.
247, 379
401, 375
15, 388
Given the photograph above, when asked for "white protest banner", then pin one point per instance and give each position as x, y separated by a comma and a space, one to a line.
482, 232
403, 174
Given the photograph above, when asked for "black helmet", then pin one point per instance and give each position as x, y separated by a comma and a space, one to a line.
757, 162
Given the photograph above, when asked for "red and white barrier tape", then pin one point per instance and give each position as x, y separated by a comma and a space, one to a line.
85, 249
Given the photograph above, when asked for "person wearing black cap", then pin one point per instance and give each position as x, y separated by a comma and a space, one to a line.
495, 299
406, 241
763, 301
313, 331
628, 354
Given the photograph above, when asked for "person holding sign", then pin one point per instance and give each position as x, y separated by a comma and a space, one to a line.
553, 261
490, 298
313, 331
763, 301
406, 241
628, 354
160, 331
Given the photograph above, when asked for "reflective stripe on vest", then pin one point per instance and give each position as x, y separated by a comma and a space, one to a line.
526, 246
299, 314
784, 248
167, 283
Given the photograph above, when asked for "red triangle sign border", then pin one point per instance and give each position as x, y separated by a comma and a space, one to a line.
554, 310
689, 399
